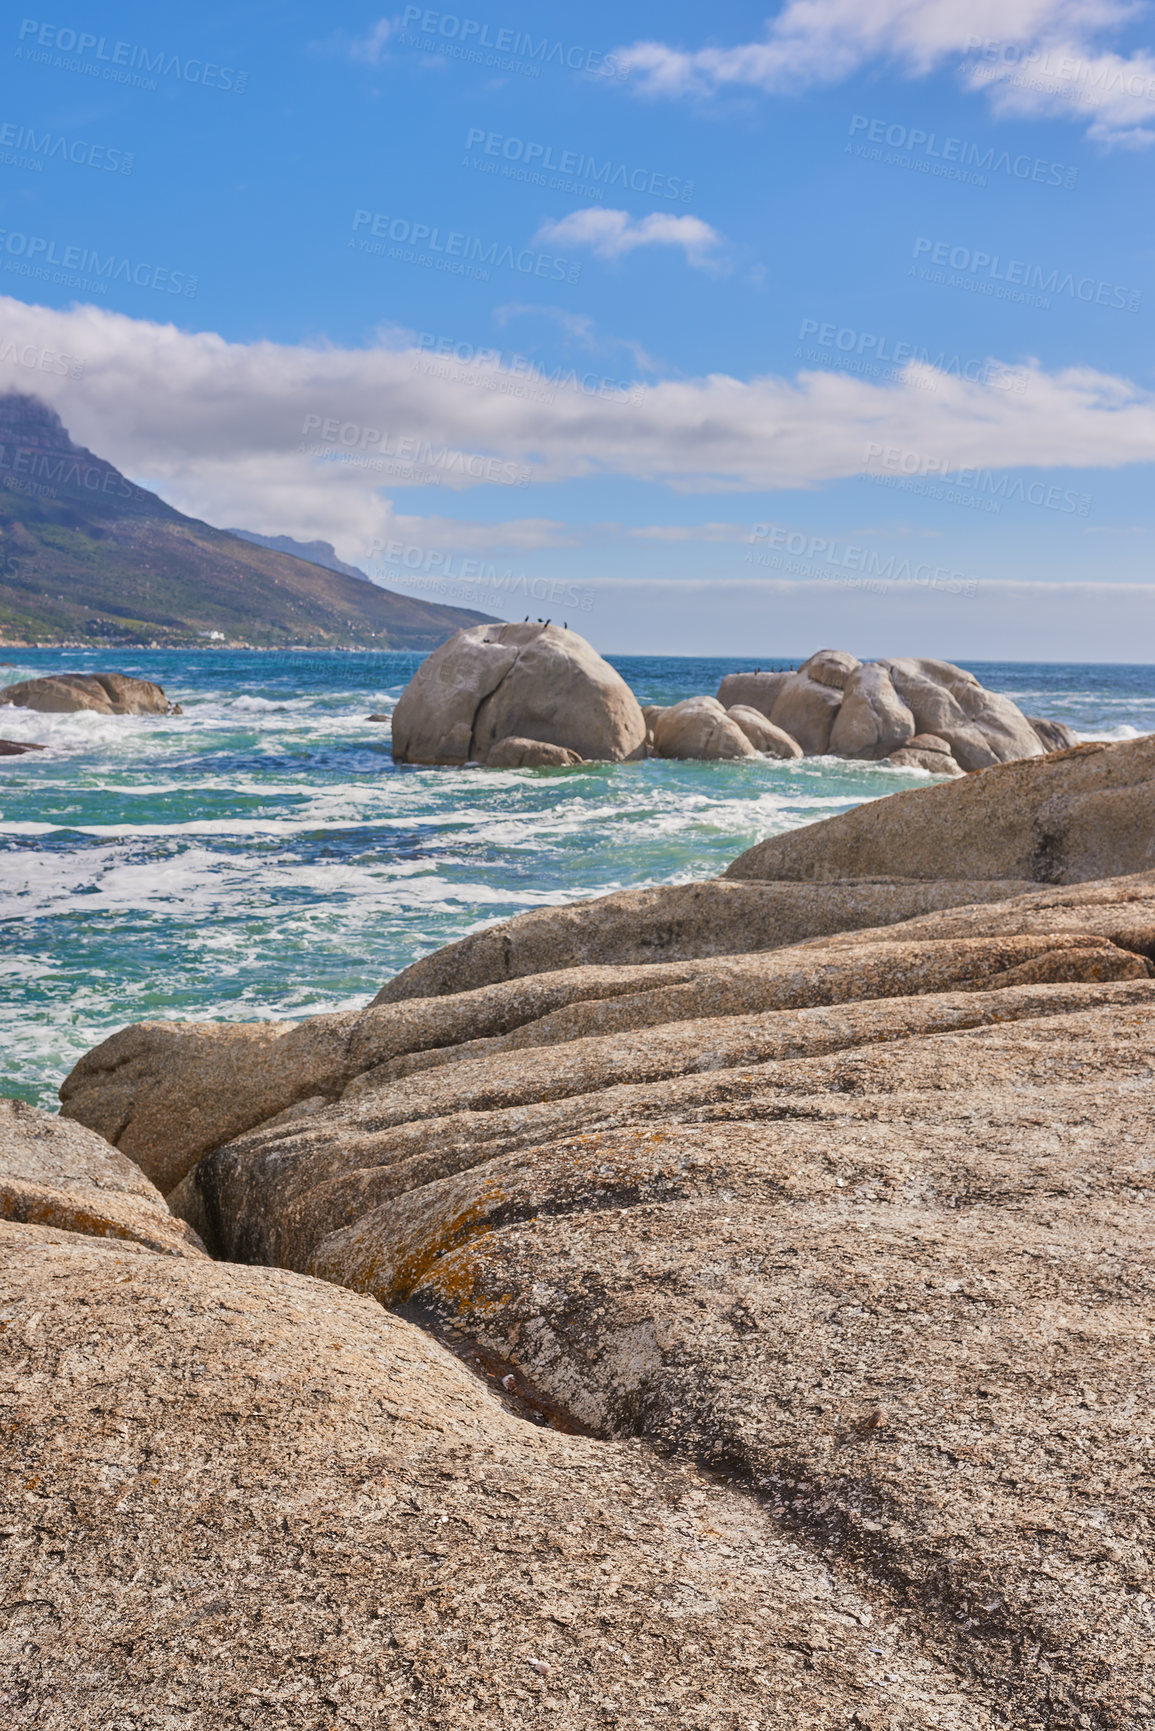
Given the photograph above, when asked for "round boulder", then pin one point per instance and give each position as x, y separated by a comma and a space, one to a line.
529, 682
831, 667
980, 727
771, 741
873, 720
926, 751
756, 690
699, 728
650, 714
805, 709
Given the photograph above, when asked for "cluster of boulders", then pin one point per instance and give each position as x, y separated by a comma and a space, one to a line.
102, 693
913, 713
536, 696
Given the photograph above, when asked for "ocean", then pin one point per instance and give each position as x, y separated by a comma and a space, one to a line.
261, 855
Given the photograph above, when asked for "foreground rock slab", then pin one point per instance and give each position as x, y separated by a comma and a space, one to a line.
836, 1233
678, 922
238, 1496
898, 1288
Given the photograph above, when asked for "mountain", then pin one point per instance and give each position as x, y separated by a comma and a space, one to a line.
314, 552
86, 555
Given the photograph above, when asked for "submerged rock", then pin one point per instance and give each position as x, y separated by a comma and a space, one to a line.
18, 747
538, 682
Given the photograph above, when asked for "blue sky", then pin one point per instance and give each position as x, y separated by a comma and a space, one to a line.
831, 324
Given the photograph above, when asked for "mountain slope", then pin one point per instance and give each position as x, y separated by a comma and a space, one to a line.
87, 555
314, 552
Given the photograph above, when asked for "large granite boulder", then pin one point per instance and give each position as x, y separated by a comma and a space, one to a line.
980, 727
771, 741
756, 690
103, 693
650, 714
699, 728
1065, 817
531, 682
805, 708
873, 720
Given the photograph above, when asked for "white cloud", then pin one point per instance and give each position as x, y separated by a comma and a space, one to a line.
613, 234
370, 48
220, 428
1034, 57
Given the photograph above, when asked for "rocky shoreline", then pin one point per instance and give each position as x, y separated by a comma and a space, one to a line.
711, 1305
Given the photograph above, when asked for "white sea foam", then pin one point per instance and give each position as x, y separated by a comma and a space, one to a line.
1111, 735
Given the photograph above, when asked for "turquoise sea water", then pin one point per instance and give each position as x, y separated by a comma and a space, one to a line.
261, 855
